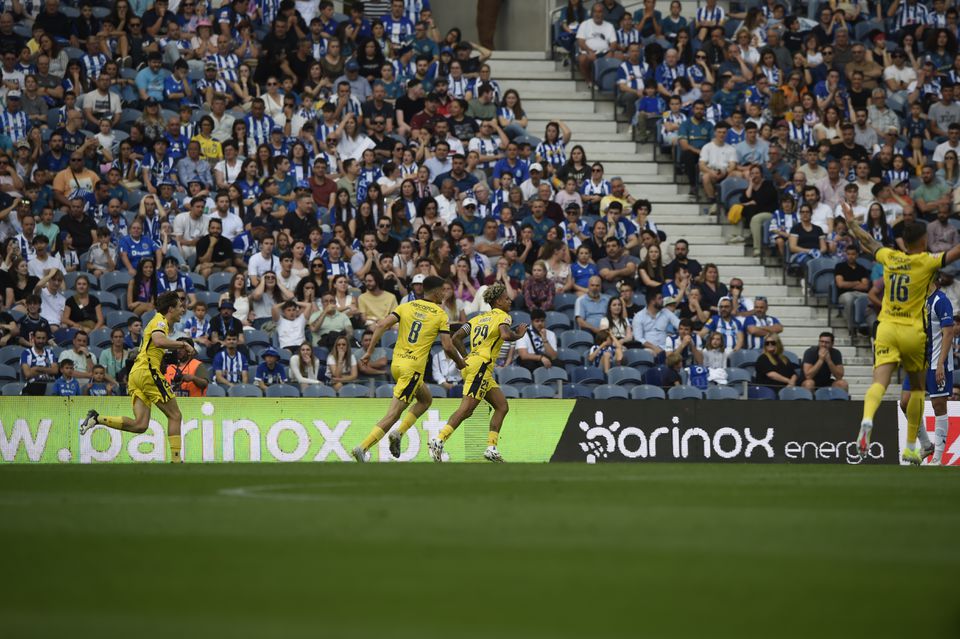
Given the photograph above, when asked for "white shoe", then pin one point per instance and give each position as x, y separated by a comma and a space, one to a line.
360, 455
395, 437
89, 422
926, 450
937, 458
863, 438
436, 450
736, 239
492, 454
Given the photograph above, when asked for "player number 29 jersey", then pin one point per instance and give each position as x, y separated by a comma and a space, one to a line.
484, 334
420, 323
907, 279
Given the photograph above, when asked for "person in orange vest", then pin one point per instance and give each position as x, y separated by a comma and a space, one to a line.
188, 376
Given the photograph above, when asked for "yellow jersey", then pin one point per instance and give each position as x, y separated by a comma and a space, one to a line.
485, 339
907, 279
150, 356
420, 323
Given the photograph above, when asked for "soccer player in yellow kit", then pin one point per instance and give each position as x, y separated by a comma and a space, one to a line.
146, 384
486, 333
901, 336
420, 323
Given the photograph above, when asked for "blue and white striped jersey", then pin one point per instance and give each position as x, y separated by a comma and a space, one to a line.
939, 316
755, 342
231, 366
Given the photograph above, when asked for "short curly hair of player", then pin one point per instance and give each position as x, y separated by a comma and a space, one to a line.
493, 293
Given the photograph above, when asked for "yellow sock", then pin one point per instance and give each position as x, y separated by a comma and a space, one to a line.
445, 433
492, 438
112, 422
914, 416
408, 420
175, 444
375, 435
871, 401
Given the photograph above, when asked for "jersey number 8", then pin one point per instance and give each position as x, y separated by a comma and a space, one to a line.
414, 334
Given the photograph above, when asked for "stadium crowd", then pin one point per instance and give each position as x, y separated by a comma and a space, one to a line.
297, 173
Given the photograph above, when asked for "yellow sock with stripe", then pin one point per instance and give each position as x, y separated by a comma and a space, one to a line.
408, 420
111, 421
871, 401
914, 415
375, 435
492, 438
445, 433
175, 443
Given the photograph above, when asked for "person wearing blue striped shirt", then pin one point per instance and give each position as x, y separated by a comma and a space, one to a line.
759, 325
727, 324
229, 364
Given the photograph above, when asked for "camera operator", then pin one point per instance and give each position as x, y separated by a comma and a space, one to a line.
187, 375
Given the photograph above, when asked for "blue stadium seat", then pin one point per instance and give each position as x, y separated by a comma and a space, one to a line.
760, 392
384, 391
569, 356
605, 75
389, 339
564, 301
587, 375
117, 319
8, 373
646, 391
655, 376
791, 393
537, 391
557, 321
610, 391
10, 355
722, 392
108, 301
736, 375
319, 390
257, 338
638, 357
684, 392
354, 390
115, 282
283, 390
512, 374
244, 390
100, 338
210, 298
510, 392
624, 376
829, 393
575, 337
548, 375
744, 359
520, 317
576, 391
219, 282
215, 390
437, 390
11, 389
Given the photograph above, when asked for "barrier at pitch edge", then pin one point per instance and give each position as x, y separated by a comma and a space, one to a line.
724, 431
951, 453
46, 430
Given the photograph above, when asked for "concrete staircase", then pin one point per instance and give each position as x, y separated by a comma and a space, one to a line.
549, 93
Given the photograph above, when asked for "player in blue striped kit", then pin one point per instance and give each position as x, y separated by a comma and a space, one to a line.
940, 331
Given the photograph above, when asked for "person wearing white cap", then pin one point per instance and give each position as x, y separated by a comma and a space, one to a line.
530, 185
416, 289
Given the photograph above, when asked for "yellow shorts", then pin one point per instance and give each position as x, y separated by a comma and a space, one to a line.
407, 380
150, 388
478, 379
899, 344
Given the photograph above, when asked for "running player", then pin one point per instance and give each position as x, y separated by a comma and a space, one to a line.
486, 333
146, 383
901, 338
420, 323
939, 380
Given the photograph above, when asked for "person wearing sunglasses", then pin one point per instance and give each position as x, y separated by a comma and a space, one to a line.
773, 369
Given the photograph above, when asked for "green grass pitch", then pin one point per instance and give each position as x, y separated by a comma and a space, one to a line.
428, 551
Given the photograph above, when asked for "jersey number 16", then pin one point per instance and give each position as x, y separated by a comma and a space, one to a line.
899, 287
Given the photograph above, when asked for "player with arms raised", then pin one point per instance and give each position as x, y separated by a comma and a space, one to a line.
486, 333
146, 384
420, 323
901, 336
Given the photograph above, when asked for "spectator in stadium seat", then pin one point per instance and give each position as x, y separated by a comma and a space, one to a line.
341, 363
229, 364
606, 351
759, 326
304, 367
852, 281
717, 161
931, 193
941, 235
652, 325
726, 324
38, 364
594, 39
742, 305
214, 252
711, 288
328, 320
823, 365
772, 368
616, 266
681, 252
592, 307
538, 347
687, 344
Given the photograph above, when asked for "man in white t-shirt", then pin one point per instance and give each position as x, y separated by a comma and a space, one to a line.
538, 346
952, 144
232, 224
101, 103
263, 262
42, 261
717, 160
594, 38
189, 226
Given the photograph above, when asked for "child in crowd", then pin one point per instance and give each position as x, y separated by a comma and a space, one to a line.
98, 386
66, 385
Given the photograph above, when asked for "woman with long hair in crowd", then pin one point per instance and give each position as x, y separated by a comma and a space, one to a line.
304, 367
341, 363
142, 288
237, 294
